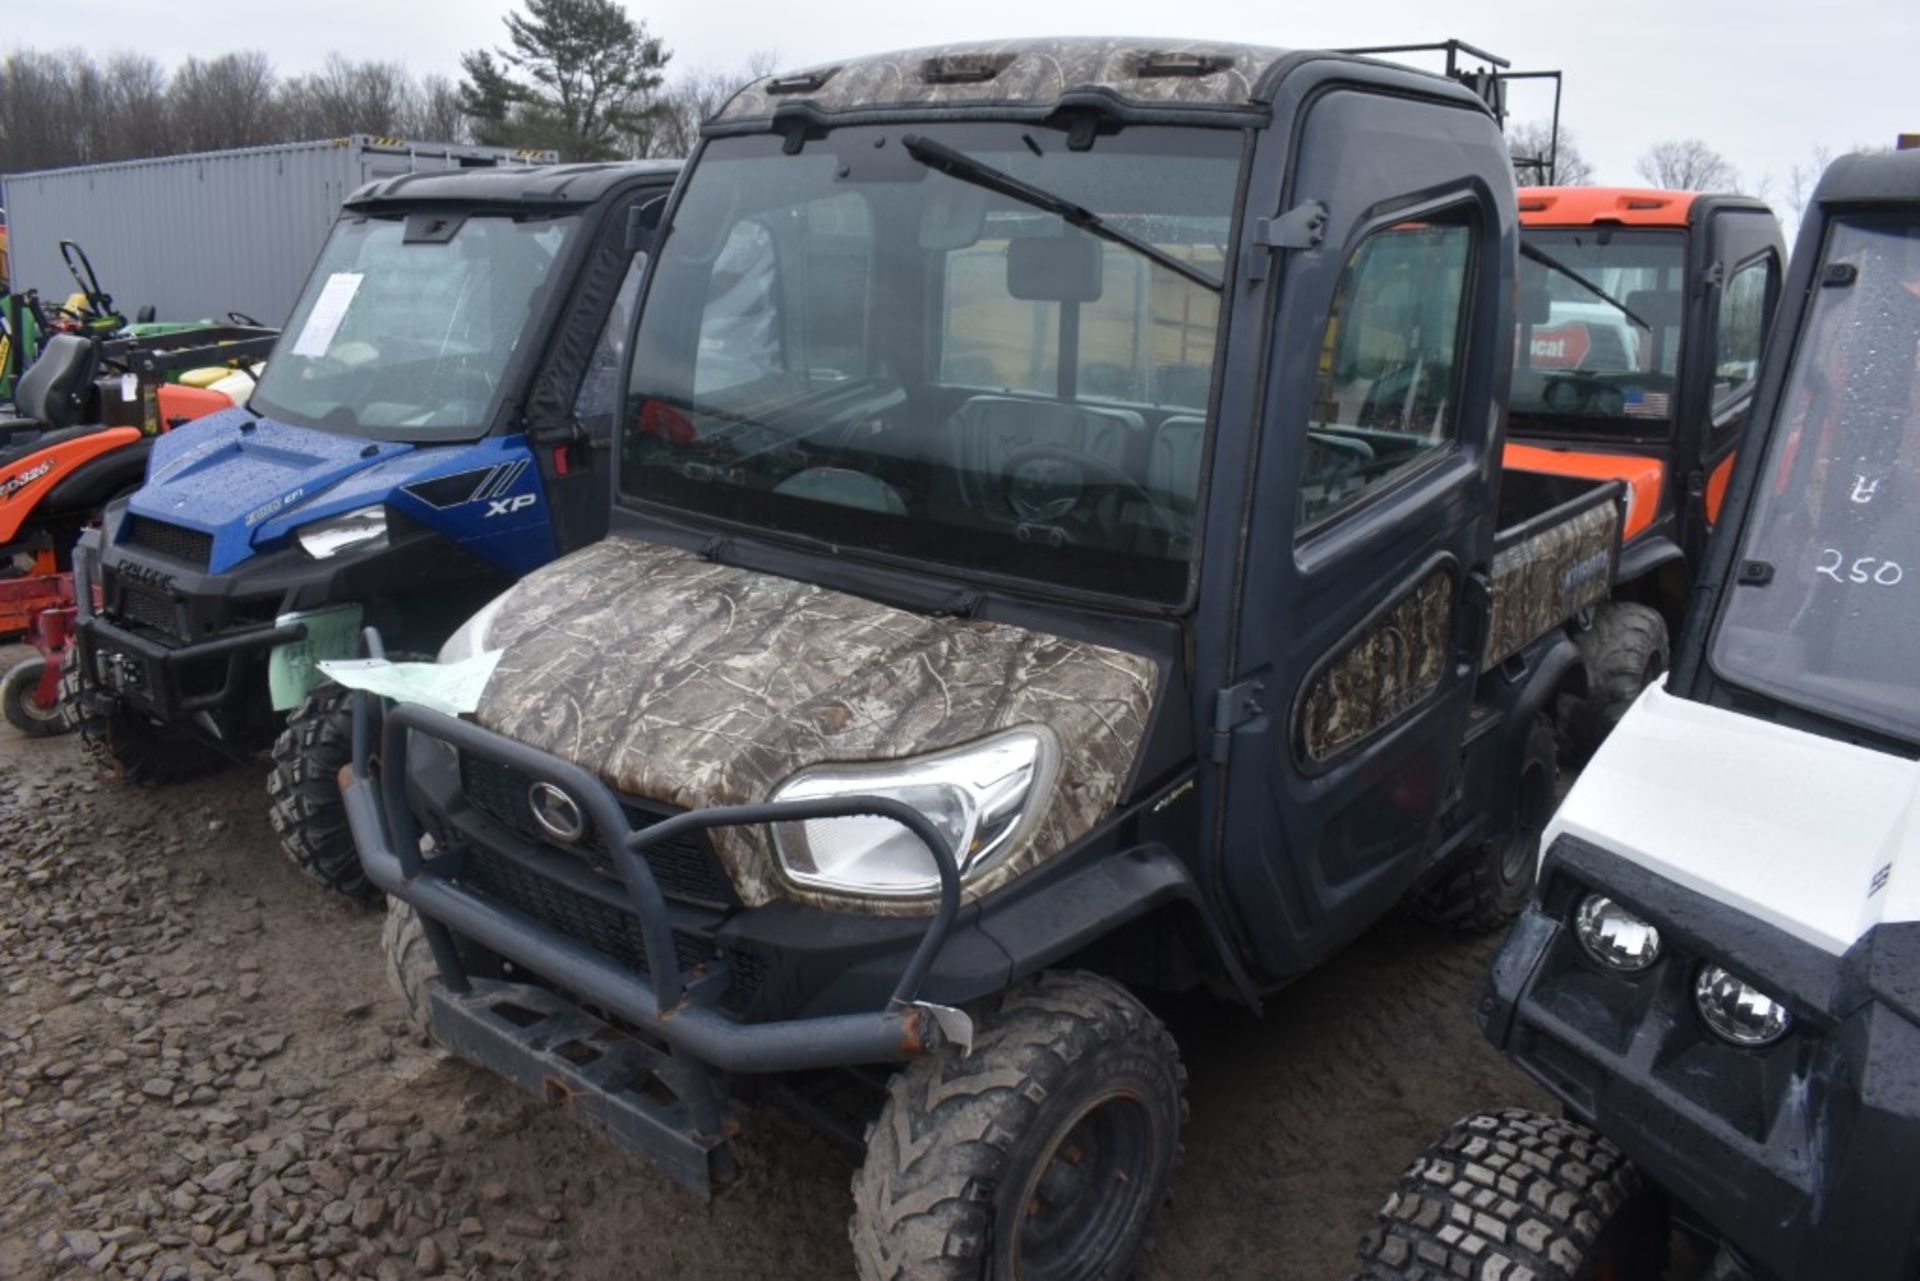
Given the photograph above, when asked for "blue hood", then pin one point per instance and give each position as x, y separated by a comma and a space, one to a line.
249, 482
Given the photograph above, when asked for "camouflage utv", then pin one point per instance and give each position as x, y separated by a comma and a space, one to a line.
1060, 548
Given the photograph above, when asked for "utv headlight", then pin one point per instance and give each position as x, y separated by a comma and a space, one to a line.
1614, 936
1736, 1010
336, 534
470, 638
983, 798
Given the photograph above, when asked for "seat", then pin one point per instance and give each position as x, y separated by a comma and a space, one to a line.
987, 431
54, 391
1173, 472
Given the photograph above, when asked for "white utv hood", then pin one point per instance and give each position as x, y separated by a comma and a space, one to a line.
1816, 837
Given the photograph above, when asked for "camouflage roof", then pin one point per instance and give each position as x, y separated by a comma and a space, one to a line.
1141, 71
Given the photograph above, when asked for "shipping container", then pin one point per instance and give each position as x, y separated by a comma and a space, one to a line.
197, 236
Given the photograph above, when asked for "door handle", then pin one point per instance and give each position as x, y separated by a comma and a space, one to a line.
1474, 617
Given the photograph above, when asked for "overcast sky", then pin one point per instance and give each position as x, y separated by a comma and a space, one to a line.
1763, 81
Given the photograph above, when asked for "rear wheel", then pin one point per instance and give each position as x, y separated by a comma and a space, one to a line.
1486, 886
19, 696
1517, 1194
1626, 650
303, 790
1042, 1155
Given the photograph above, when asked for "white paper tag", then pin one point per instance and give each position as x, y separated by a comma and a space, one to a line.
129, 387
329, 309
452, 688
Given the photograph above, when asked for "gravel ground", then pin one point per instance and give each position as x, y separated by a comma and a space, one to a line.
202, 1073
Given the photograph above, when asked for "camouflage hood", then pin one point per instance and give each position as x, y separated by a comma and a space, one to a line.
698, 684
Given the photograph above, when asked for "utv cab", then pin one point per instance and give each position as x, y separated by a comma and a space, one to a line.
1642, 314
434, 422
1060, 546
1719, 980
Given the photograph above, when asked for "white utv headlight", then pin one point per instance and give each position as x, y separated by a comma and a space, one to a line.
470, 638
335, 534
1736, 1010
1614, 936
983, 798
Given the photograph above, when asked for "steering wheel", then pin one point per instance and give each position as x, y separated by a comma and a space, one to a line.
1035, 507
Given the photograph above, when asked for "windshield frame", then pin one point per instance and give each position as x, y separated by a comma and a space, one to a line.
695, 523
1798, 696
1530, 422
546, 304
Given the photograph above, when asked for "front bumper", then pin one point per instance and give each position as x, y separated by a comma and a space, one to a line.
1798, 1155
665, 1004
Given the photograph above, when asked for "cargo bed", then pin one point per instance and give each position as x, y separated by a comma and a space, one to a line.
1557, 541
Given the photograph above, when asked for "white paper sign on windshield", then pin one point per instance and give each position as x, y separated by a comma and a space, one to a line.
329, 309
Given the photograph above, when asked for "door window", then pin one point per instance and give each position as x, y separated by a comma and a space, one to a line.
1742, 327
1384, 398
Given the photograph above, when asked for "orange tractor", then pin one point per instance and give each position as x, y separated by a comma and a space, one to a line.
82, 420
1641, 320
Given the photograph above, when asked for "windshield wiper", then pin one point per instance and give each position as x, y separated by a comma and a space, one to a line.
955, 164
1551, 263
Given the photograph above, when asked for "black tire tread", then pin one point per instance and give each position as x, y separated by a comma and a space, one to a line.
1626, 637
923, 1197
131, 748
303, 791
411, 969
1515, 1194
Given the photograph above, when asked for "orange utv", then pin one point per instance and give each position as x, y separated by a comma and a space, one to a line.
1641, 318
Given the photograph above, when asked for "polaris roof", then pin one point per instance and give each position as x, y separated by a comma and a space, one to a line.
580, 184
1138, 72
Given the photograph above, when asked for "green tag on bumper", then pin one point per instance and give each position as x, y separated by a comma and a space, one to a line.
331, 633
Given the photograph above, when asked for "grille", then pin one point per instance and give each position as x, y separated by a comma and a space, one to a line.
150, 609
611, 931
685, 867
175, 542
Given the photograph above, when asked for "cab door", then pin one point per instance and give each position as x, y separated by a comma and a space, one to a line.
1371, 527
1748, 259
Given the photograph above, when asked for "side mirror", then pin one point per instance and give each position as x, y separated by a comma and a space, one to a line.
643, 225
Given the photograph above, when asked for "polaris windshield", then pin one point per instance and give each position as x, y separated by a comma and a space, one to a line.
1826, 605
409, 324
961, 343
1598, 339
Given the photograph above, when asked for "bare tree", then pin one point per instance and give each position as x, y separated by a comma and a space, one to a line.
434, 113
693, 99
223, 102
1687, 164
1531, 144
346, 97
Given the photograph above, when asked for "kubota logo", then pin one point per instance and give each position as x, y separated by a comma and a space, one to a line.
14, 484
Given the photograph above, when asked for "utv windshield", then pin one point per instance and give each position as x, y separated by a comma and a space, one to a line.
409, 323
963, 343
1598, 339
1827, 601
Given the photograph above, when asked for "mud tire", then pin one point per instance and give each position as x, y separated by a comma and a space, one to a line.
16, 700
1487, 885
1626, 650
303, 791
411, 970
955, 1160
1513, 1193
130, 747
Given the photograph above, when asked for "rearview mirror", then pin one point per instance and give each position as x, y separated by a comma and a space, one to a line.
1536, 306
1065, 268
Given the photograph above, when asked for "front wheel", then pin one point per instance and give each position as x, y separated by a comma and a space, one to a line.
19, 697
1042, 1155
303, 789
1626, 650
1517, 1194
131, 746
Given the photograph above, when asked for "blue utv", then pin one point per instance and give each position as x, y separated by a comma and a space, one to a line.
433, 423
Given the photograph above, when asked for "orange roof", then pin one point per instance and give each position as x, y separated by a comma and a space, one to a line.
1585, 206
